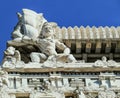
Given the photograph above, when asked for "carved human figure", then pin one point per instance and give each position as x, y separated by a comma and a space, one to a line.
104, 59
98, 63
112, 63
105, 63
101, 63
48, 45
11, 56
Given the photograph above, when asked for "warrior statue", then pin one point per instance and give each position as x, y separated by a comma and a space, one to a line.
48, 45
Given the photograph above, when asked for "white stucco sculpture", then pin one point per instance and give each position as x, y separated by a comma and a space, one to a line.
105, 63
46, 91
112, 63
48, 45
12, 57
4, 90
29, 25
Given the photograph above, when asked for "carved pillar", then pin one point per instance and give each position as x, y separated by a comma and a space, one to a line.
11, 83
18, 82
65, 81
24, 82
87, 81
112, 82
53, 82
103, 81
59, 82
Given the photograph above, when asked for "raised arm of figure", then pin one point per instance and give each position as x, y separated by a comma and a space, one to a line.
62, 47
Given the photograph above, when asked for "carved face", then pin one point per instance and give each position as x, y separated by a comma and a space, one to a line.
47, 30
10, 51
104, 59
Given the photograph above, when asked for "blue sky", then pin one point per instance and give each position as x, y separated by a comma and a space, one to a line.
64, 12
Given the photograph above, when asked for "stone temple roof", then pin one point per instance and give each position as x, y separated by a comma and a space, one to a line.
83, 33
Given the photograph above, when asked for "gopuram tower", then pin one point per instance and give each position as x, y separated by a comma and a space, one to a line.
44, 60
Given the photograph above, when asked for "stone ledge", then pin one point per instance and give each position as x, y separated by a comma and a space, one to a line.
36, 70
